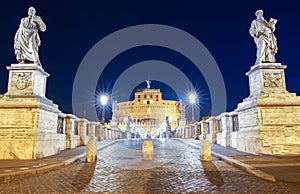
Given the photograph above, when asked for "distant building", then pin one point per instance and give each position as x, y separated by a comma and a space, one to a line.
148, 112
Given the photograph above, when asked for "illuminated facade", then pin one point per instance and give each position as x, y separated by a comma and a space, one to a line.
148, 111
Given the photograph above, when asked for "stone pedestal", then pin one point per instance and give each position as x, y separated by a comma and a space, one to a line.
91, 151
269, 119
26, 80
147, 150
205, 150
28, 125
266, 78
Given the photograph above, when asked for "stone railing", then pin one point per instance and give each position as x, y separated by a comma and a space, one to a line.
212, 129
221, 129
79, 131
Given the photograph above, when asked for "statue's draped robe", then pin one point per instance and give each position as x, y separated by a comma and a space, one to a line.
265, 41
27, 40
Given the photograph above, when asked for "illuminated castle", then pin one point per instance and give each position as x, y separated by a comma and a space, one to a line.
148, 112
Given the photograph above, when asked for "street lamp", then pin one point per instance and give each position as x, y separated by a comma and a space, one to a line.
192, 99
103, 100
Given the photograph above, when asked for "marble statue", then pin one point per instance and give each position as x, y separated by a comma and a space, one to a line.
264, 38
27, 39
148, 83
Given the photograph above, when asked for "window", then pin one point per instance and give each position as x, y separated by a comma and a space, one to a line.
148, 102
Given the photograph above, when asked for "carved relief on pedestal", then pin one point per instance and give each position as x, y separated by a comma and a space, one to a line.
272, 79
22, 80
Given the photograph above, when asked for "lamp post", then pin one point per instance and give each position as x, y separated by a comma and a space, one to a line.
103, 100
192, 99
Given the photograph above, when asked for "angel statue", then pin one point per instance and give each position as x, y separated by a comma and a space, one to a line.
27, 39
148, 83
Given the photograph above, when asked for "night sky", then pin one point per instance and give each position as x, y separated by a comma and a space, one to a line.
73, 27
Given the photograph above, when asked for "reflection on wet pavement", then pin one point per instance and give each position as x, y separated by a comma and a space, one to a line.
131, 157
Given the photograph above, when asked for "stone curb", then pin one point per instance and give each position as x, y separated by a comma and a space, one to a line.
250, 169
10, 176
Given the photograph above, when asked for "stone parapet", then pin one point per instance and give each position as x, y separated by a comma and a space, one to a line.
204, 129
104, 132
98, 131
212, 129
82, 131
92, 130
197, 130
224, 132
72, 133
234, 128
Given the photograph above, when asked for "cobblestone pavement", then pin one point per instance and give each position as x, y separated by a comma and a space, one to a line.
175, 168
